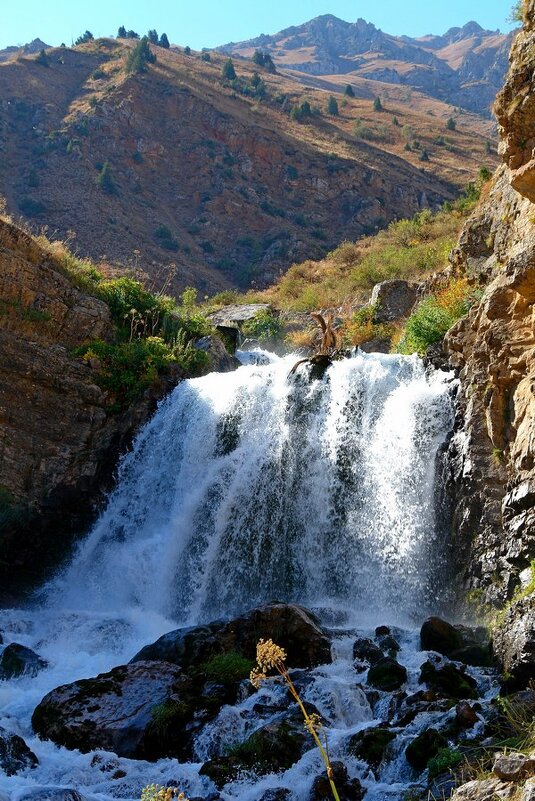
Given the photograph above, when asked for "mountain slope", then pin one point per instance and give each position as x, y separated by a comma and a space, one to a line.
175, 166
465, 67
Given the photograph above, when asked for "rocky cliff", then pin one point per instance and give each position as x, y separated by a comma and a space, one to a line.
58, 442
493, 449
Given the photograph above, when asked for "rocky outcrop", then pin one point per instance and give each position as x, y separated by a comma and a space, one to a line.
59, 443
492, 452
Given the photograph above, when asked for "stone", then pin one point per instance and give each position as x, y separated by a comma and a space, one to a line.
371, 745
394, 299
448, 680
389, 645
348, 789
424, 747
513, 642
465, 715
440, 636
513, 767
292, 627
50, 794
221, 361
387, 674
484, 790
144, 710
237, 314
366, 652
17, 660
528, 791
15, 754
277, 794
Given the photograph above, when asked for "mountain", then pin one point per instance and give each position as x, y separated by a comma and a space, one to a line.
465, 67
16, 51
176, 166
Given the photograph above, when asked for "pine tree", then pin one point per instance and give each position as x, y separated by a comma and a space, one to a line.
121, 33
332, 107
164, 41
152, 36
132, 35
451, 125
377, 105
228, 72
139, 57
187, 50
43, 59
85, 37
349, 91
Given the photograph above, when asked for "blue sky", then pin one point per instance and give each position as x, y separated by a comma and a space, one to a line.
207, 23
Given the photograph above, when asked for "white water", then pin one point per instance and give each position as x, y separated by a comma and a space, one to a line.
247, 487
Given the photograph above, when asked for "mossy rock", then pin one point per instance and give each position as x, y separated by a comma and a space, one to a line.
449, 680
370, 745
387, 674
424, 747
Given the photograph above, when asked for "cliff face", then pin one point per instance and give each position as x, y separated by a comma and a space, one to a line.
58, 444
493, 449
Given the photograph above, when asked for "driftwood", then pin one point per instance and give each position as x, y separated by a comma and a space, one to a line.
328, 350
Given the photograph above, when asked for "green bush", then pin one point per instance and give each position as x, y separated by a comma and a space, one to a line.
139, 57
227, 668
105, 180
262, 326
434, 316
125, 294
446, 760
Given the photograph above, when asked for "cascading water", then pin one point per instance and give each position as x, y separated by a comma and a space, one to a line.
244, 488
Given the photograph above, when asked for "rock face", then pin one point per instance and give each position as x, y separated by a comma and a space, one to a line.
58, 444
15, 754
492, 450
514, 642
290, 626
394, 299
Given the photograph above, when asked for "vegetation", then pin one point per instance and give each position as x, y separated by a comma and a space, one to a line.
227, 668
164, 41
105, 180
43, 59
301, 112
265, 325
517, 12
228, 73
349, 92
85, 37
451, 125
332, 107
435, 315
157, 792
377, 105
264, 60
139, 57
447, 759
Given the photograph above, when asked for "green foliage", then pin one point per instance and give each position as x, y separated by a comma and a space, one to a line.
434, 316
206, 57
301, 112
447, 759
517, 12
187, 50
377, 105
43, 59
105, 180
395, 122
228, 73
85, 37
424, 156
332, 107
227, 668
451, 125
264, 325
139, 57
165, 238
349, 92
152, 36
164, 41
125, 294
264, 60
98, 74
132, 35
121, 33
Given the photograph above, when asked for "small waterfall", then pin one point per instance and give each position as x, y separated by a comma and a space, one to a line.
252, 486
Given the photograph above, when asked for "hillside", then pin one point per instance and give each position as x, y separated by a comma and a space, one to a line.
175, 166
465, 67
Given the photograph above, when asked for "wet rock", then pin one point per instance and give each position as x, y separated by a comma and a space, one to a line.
382, 631
424, 747
388, 644
371, 744
366, 652
448, 680
290, 626
514, 642
485, 790
387, 674
140, 711
15, 754
465, 715
221, 361
460, 643
393, 299
278, 794
17, 660
513, 767
51, 794
348, 789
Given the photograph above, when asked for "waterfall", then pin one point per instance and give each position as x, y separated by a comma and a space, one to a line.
253, 485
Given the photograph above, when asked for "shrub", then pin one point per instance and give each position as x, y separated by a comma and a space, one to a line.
152, 36
361, 328
206, 57
377, 105
125, 294
132, 35
121, 33
262, 326
42, 59
349, 92
227, 668
164, 41
85, 37
187, 50
451, 125
447, 759
228, 73
434, 316
264, 60
332, 107
105, 180
301, 112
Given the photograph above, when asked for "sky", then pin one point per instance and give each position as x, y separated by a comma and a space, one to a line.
207, 23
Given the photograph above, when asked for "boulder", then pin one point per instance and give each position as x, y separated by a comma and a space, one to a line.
513, 642
513, 767
448, 680
277, 794
221, 361
387, 674
50, 794
366, 652
394, 299
292, 627
371, 744
424, 747
15, 754
465, 715
17, 660
140, 711
348, 789
470, 646
528, 791
484, 790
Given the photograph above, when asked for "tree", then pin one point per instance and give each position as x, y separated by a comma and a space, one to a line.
85, 37
488, 147
264, 60
377, 105
187, 50
152, 36
395, 122
228, 72
43, 59
332, 107
349, 91
451, 125
139, 57
424, 155
121, 33
301, 112
132, 35
517, 12
105, 180
164, 41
